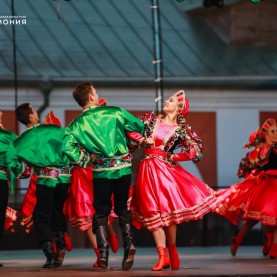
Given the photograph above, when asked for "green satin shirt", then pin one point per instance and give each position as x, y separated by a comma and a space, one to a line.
6, 140
101, 131
39, 147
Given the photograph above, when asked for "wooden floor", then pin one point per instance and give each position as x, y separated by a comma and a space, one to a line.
195, 261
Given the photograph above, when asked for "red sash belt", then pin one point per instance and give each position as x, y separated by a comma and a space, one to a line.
156, 153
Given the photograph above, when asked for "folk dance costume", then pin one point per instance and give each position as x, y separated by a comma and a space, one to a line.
40, 148
100, 131
254, 199
30, 200
6, 140
261, 203
172, 194
11, 217
165, 193
232, 199
78, 207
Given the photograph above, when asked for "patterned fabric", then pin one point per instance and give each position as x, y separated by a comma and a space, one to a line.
85, 159
181, 136
52, 176
247, 164
116, 162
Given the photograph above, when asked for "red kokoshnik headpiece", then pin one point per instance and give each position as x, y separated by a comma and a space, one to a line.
267, 125
51, 119
102, 102
183, 103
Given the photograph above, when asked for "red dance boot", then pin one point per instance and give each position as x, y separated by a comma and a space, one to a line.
174, 257
113, 242
273, 251
235, 245
268, 242
96, 250
54, 246
166, 259
68, 242
160, 264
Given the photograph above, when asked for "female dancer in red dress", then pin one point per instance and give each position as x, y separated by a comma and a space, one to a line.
261, 203
233, 198
254, 199
164, 193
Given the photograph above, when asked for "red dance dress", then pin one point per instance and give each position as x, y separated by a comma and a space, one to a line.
28, 204
78, 207
255, 197
165, 193
233, 199
261, 203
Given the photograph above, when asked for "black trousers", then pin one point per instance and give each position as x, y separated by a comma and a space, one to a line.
4, 195
48, 213
103, 189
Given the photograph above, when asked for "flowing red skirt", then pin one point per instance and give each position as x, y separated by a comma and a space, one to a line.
254, 198
167, 194
233, 200
261, 203
78, 206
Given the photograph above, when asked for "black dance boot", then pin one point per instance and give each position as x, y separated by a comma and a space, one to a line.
129, 246
61, 247
50, 255
103, 246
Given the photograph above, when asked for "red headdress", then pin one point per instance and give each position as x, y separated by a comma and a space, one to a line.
102, 102
183, 103
51, 119
268, 131
267, 125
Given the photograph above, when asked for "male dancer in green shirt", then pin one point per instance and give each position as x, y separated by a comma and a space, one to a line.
40, 147
100, 132
6, 139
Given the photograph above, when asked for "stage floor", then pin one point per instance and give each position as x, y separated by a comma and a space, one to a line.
195, 261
